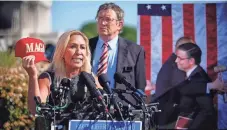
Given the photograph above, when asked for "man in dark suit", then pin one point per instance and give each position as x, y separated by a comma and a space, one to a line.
170, 76
123, 55
188, 60
186, 98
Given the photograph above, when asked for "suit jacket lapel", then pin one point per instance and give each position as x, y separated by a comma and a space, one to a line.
92, 44
122, 54
197, 70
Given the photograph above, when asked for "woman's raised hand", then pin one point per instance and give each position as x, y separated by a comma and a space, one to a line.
28, 63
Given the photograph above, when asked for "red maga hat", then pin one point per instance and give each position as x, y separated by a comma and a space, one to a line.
31, 46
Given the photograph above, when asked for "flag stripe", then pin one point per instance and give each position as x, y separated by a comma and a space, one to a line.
200, 31
222, 35
156, 50
167, 37
177, 17
222, 56
145, 41
195, 20
206, 23
211, 26
188, 16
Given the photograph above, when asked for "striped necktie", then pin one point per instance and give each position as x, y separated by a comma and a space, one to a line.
103, 61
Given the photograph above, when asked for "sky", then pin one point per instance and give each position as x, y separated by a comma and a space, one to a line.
73, 14
67, 15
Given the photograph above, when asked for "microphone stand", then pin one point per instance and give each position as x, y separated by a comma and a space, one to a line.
112, 98
143, 106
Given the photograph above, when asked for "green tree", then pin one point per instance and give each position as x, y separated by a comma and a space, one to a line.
129, 33
90, 30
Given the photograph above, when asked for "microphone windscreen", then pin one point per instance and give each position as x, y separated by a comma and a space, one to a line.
78, 89
119, 77
65, 82
89, 81
87, 78
103, 79
92, 88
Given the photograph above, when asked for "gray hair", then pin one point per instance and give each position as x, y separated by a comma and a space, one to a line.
114, 7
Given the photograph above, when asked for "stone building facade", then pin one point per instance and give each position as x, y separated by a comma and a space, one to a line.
25, 19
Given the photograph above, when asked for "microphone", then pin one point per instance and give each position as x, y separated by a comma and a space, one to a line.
78, 89
89, 82
65, 83
220, 68
105, 83
122, 80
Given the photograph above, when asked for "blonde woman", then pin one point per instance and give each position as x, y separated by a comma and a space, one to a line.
72, 55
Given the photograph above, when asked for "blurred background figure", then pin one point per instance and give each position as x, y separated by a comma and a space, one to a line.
49, 51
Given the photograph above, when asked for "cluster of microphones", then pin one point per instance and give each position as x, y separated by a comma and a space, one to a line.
104, 102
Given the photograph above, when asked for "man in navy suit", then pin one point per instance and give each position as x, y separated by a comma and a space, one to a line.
124, 56
187, 99
194, 104
170, 76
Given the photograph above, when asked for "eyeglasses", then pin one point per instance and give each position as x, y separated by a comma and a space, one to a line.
180, 58
106, 19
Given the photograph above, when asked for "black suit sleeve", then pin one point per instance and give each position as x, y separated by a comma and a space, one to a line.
195, 88
198, 83
140, 70
163, 78
205, 114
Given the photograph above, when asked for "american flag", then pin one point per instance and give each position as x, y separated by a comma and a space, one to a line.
160, 25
